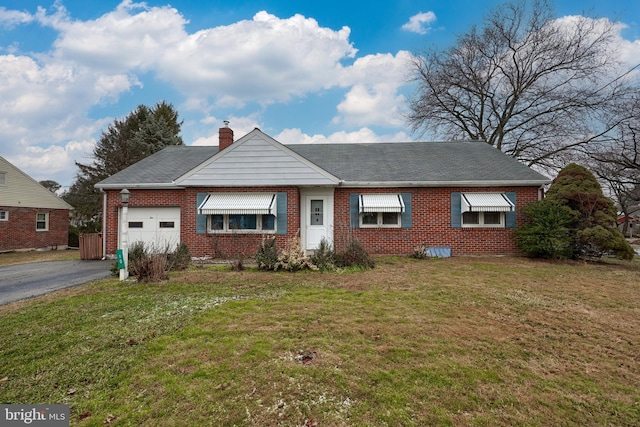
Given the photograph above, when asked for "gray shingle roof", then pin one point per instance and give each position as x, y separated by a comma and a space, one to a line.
162, 167
425, 162
420, 163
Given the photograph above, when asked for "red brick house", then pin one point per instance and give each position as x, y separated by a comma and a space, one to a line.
392, 197
31, 217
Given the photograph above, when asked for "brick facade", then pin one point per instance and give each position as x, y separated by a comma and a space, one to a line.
431, 222
19, 232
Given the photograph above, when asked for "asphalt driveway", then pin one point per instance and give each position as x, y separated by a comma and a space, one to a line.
23, 281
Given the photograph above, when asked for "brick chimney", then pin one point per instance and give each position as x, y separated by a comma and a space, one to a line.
225, 136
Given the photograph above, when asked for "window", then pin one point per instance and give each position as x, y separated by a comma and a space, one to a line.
483, 219
3, 178
485, 209
167, 224
42, 221
381, 210
239, 212
4, 215
241, 222
135, 224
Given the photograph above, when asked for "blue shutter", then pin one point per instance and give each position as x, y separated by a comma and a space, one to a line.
406, 215
281, 213
201, 220
510, 219
456, 210
354, 210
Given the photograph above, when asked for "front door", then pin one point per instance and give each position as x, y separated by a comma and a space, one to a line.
317, 218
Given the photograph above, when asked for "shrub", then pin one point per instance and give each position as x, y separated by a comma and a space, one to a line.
420, 252
355, 255
292, 258
324, 257
149, 268
74, 237
547, 231
267, 255
180, 259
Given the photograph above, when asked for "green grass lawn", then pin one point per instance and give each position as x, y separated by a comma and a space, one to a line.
459, 341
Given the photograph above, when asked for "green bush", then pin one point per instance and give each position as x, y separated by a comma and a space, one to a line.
324, 257
74, 237
547, 231
267, 255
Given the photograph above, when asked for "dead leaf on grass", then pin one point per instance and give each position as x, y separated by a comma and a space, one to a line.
4, 379
110, 418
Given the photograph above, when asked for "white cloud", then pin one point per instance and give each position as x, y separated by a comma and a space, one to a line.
373, 97
296, 136
420, 23
12, 18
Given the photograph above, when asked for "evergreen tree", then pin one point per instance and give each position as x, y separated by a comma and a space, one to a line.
141, 133
595, 224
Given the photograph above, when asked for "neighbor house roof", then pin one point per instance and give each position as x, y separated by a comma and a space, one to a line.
20, 190
353, 164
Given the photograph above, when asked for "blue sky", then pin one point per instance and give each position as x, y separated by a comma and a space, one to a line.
330, 71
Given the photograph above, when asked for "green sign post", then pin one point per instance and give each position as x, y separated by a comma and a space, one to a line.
120, 257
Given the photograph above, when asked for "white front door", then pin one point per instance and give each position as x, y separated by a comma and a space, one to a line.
316, 217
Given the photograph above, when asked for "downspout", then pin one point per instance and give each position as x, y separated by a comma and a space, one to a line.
104, 224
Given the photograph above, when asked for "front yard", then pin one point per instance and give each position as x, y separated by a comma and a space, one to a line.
458, 341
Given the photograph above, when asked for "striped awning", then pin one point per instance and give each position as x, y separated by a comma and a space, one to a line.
486, 202
381, 203
238, 203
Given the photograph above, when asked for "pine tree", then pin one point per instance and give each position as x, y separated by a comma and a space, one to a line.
141, 133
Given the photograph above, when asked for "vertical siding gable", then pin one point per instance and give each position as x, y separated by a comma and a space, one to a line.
257, 161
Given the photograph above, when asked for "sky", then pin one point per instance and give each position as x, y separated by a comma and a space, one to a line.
302, 72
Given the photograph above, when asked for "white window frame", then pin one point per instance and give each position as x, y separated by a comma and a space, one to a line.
4, 215
379, 221
481, 223
3, 178
45, 220
225, 229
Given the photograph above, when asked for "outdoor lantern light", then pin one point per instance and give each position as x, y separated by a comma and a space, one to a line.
124, 195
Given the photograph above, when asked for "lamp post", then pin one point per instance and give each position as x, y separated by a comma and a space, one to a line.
124, 243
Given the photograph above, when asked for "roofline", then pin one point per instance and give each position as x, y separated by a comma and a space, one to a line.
142, 186
536, 183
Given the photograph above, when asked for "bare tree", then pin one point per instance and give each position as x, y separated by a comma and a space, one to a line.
532, 86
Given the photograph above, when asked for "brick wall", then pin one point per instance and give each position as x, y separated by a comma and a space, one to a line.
201, 245
431, 222
19, 232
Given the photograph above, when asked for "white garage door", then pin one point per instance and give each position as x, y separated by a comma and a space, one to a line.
158, 228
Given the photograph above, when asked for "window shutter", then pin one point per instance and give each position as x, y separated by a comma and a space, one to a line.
456, 210
354, 210
510, 217
281, 213
201, 220
406, 215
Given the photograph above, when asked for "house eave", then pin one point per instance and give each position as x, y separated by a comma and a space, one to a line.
140, 186
502, 183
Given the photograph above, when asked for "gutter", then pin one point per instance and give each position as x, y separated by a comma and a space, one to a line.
379, 184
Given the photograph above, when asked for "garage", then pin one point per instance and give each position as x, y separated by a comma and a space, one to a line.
158, 228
